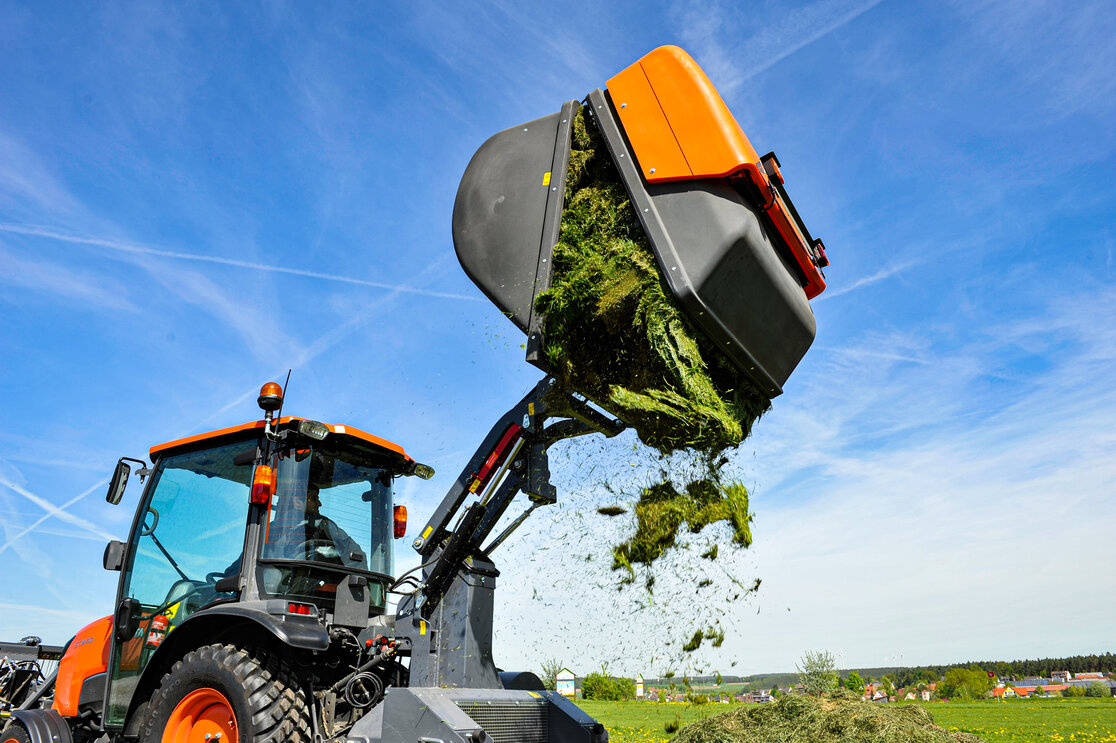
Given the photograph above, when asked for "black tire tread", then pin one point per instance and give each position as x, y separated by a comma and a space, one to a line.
15, 731
280, 711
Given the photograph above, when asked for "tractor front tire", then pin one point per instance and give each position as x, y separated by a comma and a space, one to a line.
228, 694
15, 733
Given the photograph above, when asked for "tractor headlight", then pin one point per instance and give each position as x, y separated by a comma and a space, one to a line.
313, 429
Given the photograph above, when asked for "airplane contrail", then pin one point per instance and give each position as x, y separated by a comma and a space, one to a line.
53, 510
123, 247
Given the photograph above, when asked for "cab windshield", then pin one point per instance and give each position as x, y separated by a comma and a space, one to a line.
331, 514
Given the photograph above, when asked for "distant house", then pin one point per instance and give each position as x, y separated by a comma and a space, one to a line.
925, 694
564, 683
909, 697
1052, 688
1091, 676
1061, 676
639, 686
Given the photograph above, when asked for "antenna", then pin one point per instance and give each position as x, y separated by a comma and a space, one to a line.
284, 398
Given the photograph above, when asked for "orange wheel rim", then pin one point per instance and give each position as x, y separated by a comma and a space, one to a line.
203, 716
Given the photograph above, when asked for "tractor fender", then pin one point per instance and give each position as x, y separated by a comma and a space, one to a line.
44, 725
223, 623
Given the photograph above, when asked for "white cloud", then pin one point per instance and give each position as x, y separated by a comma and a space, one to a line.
58, 280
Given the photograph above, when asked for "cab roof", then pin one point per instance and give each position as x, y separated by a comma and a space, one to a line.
160, 450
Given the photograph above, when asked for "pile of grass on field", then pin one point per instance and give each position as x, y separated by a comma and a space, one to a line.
841, 718
613, 331
662, 510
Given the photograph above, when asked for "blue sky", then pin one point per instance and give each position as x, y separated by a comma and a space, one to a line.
194, 199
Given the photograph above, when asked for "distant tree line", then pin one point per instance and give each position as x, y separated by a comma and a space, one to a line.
912, 676
1041, 667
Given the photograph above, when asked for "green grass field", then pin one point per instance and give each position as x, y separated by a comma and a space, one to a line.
1019, 721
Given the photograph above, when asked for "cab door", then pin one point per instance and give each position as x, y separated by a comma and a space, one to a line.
188, 534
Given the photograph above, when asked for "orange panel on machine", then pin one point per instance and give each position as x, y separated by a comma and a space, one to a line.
692, 129
656, 149
86, 656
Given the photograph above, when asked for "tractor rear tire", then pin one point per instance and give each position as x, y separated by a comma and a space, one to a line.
15, 733
241, 695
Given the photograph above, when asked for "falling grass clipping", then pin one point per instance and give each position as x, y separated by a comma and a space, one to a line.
842, 717
614, 333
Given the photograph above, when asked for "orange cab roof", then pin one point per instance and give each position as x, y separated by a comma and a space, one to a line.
159, 449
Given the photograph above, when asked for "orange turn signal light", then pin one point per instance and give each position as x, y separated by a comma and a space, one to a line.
263, 485
399, 515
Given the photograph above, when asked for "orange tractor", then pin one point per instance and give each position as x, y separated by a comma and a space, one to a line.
253, 599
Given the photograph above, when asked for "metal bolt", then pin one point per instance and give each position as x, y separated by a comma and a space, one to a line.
526, 421
652, 170
553, 188
621, 154
645, 210
623, 105
525, 129
673, 267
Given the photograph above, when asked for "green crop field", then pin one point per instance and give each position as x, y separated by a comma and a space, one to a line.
1019, 721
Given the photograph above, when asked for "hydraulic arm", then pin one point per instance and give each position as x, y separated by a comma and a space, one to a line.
511, 459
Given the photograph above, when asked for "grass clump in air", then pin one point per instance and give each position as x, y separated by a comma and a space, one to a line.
842, 717
613, 331
662, 510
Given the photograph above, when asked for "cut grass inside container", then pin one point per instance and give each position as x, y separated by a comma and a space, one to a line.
613, 331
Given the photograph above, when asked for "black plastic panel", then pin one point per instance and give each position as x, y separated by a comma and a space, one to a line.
507, 212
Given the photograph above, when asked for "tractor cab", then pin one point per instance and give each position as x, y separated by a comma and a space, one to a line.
325, 512
285, 521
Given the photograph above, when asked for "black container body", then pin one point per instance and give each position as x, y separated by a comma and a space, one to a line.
712, 245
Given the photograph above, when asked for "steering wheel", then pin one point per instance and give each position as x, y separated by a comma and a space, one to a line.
311, 546
145, 530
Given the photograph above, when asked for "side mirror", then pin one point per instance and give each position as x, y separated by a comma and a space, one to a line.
127, 619
114, 555
118, 483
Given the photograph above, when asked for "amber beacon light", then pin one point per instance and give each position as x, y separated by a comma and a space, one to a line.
271, 397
